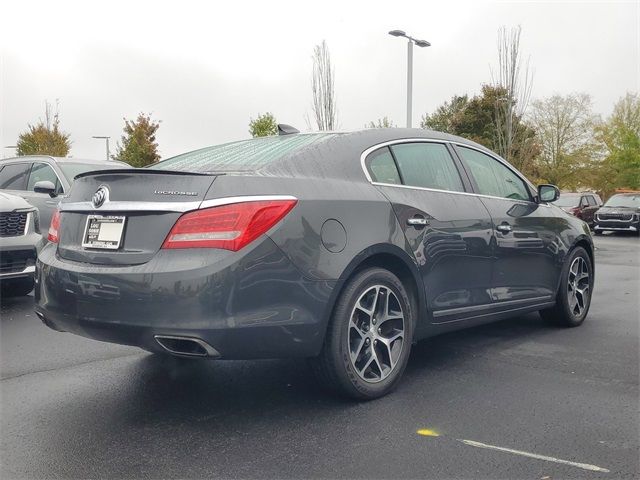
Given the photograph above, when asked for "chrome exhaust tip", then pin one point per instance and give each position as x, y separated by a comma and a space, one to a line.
186, 346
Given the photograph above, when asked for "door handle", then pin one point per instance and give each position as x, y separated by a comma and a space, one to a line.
417, 221
504, 228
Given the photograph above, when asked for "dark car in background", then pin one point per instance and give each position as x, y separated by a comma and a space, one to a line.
19, 243
620, 213
41, 179
582, 205
344, 248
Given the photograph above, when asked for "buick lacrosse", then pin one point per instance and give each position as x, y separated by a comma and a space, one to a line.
344, 248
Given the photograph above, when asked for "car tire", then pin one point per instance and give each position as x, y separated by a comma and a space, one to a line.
574, 293
369, 336
18, 287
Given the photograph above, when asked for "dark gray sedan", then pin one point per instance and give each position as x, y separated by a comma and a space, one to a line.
340, 247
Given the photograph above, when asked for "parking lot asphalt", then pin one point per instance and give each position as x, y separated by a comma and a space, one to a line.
515, 399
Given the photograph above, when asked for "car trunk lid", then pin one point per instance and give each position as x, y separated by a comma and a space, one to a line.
141, 205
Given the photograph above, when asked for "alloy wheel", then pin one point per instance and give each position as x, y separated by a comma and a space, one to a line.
578, 286
376, 333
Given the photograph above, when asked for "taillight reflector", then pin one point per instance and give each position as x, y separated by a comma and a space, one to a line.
230, 227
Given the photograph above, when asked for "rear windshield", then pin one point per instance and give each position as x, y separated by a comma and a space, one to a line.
246, 155
70, 170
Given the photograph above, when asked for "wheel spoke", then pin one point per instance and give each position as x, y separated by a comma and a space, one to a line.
376, 333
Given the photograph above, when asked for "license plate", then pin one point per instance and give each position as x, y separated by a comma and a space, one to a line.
103, 232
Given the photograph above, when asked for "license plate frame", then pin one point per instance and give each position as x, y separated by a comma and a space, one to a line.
112, 238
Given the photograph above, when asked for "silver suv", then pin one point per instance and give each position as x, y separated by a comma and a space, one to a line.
40, 179
19, 244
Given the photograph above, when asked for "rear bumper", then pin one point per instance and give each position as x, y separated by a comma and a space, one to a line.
248, 304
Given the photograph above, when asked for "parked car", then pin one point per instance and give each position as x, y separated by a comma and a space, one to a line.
342, 247
582, 205
621, 213
41, 180
19, 242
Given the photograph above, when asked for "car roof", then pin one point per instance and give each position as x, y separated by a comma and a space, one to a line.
338, 156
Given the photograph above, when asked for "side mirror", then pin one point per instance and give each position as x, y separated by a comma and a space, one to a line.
548, 193
45, 186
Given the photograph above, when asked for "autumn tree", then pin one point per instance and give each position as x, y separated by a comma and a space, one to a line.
263, 125
45, 137
383, 122
323, 89
620, 135
138, 146
564, 128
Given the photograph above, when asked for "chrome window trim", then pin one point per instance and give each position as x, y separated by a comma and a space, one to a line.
369, 150
181, 207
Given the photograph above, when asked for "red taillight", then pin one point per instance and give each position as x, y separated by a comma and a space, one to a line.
229, 226
54, 227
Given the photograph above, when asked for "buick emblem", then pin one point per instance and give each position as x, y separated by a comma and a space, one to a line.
101, 195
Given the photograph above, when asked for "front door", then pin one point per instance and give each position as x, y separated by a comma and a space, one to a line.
526, 236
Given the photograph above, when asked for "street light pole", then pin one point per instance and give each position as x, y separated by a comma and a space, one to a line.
106, 142
409, 81
411, 41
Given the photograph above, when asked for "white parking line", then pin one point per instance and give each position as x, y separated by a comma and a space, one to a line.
584, 466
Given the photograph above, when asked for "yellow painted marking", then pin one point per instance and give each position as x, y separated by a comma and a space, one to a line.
427, 432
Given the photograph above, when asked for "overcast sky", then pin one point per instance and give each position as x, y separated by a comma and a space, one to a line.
204, 68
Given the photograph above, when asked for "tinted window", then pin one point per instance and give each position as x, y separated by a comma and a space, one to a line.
427, 165
492, 177
382, 168
14, 176
41, 172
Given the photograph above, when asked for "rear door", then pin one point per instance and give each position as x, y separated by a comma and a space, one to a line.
447, 229
527, 234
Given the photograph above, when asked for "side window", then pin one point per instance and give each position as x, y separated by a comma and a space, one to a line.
427, 165
492, 177
591, 200
14, 176
382, 168
40, 172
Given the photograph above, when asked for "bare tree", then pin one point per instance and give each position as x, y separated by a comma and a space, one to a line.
565, 132
322, 85
517, 81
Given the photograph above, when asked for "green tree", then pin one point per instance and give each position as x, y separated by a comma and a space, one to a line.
444, 118
620, 135
138, 146
383, 122
564, 128
477, 118
45, 137
263, 126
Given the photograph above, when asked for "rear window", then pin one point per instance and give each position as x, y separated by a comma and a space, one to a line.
246, 155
